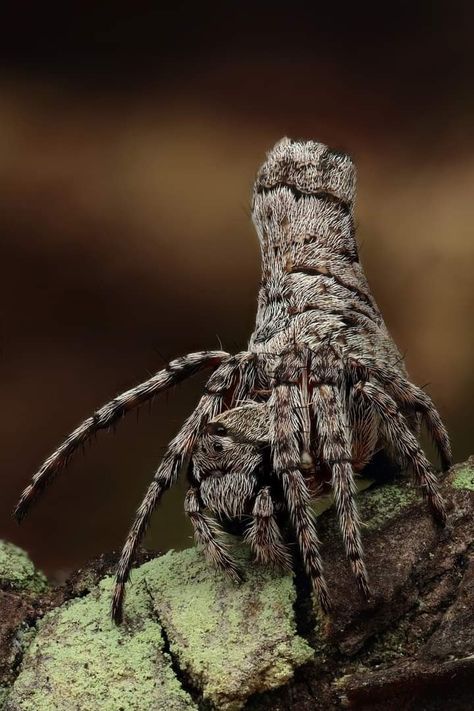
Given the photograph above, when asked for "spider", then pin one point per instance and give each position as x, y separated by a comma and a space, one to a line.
319, 391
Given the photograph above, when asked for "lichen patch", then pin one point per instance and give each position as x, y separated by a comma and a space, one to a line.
231, 641
81, 659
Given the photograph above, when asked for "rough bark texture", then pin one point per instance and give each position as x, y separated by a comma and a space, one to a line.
193, 640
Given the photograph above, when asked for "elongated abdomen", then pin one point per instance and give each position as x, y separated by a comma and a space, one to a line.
313, 285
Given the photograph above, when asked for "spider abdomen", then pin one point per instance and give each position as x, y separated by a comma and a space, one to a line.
313, 286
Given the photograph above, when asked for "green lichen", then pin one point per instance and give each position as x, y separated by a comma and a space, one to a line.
18, 572
464, 478
11, 654
232, 641
3, 695
380, 505
80, 659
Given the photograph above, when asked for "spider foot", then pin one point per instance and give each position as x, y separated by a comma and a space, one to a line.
322, 594
438, 510
278, 558
117, 603
234, 573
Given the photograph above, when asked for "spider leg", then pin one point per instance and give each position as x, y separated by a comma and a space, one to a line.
205, 535
405, 444
176, 456
335, 450
263, 534
408, 395
286, 405
176, 371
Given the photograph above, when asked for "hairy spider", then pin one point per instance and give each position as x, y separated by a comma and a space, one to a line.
320, 389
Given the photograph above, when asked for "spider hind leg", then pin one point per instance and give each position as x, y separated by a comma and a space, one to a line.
404, 442
409, 398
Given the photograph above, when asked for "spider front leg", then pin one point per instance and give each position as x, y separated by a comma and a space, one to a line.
176, 371
335, 451
205, 535
263, 534
286, 426
176, 456
405, 444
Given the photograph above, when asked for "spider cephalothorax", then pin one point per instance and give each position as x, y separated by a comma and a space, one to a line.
228, 458
321, 388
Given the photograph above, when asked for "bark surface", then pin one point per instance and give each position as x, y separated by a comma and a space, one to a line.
192, 640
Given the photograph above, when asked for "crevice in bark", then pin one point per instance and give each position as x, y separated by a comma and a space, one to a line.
179, 673
303, 607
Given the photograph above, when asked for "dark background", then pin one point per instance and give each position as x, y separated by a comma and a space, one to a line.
129, 139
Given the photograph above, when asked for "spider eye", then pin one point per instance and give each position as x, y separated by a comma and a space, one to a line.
218, 447
216, 428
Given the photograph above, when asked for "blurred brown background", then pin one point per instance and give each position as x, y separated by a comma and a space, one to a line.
129, 138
